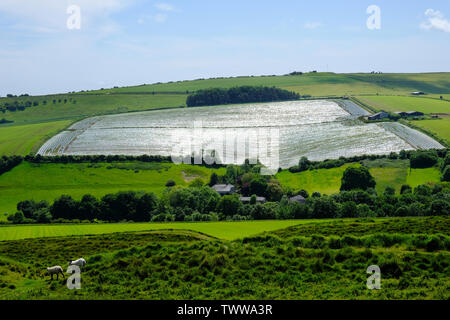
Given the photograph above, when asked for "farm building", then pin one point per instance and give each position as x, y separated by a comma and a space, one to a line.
258, 199
378, 116
414, 114
298, 198
224, 189
409, 113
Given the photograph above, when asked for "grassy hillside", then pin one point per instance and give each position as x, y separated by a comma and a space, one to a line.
21, 140
285, 264
397, 103
315, 84
49, 181
142, 97
88, 105
75, 106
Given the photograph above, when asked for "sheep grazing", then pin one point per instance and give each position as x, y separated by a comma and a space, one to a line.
55, 270
80, 262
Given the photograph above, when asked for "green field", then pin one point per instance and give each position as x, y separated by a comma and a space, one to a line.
89, 105
325, 181
328, 181
21, 140
397, 103
440, 127
49, 181
316, 84
303, 261
222, 229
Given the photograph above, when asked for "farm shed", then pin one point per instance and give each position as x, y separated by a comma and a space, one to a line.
258, 199
298, 198
378, 116
224, 189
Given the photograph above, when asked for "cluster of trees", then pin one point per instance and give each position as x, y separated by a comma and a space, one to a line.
18, 105
245, 94
7, 163
21, 105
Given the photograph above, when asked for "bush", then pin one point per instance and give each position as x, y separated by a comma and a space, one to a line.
357, 178
423, 159
170, 183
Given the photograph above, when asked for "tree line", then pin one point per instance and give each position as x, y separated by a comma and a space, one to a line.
244, 94
21, 105
8, 163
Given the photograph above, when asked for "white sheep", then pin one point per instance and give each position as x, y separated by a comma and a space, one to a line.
55, 270
80, 262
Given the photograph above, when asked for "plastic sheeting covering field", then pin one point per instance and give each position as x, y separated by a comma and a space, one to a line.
316, 129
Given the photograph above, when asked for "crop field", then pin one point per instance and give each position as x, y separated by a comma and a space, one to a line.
316, 129
222, 229
397, 103
49, 181
21, 140
440, 127
303, 261
328, 181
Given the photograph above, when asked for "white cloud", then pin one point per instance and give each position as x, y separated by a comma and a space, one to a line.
436, 20
312, 25
164, 7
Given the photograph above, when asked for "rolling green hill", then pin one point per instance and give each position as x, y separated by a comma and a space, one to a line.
74, 106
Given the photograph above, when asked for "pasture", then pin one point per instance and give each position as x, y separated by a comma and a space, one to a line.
440, 127
328, 181
398, 103
49, 181
23, 139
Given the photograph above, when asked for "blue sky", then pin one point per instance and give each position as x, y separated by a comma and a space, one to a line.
129, 42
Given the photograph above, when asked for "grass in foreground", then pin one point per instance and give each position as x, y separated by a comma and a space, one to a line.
21, 140
188, 265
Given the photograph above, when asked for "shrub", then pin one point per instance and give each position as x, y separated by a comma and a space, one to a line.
170, 183
357, 178
423, 159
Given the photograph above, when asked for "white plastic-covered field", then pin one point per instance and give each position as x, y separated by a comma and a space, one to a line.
317, 129
58, 144
415, 138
